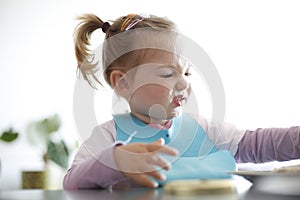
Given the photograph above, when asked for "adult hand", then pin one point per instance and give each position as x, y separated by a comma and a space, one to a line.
138, 160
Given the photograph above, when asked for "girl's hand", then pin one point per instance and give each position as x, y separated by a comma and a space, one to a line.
138, 160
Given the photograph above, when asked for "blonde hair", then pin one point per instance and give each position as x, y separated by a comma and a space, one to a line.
111, 58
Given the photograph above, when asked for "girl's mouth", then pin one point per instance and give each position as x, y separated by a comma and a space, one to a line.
179, 100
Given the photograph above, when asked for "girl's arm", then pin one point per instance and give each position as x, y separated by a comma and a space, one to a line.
263, 145
94, 165
98, 171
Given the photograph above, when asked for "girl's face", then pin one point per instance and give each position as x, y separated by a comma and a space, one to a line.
158, 88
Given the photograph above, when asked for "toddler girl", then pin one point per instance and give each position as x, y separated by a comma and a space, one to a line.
156, 142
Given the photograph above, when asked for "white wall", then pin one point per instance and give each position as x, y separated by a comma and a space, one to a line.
255, 46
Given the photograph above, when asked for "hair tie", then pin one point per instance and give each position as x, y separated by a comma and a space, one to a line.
130, 22
105, 26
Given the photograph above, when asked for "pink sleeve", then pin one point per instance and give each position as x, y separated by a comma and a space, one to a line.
95, 172
264, 145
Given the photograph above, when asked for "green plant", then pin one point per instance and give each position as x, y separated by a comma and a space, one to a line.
9, 135
44, 134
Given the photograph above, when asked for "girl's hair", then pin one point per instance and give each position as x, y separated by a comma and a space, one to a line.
111, 57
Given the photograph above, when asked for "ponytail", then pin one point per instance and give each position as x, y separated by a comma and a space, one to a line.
88, 24
82, 35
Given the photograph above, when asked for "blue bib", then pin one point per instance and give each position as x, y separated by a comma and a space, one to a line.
198, 157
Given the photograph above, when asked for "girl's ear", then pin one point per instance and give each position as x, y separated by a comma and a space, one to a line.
119, 82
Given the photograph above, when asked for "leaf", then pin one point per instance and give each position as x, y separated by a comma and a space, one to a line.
9, 135
51, 124
40, 131
58, 153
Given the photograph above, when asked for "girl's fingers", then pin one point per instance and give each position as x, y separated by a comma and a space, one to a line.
159, 161
159, 148
157, 175
144, 179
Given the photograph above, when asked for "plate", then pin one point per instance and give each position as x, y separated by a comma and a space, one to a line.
275, 182
283, 172
253, 175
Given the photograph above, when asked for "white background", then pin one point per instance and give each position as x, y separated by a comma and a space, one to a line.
255, 46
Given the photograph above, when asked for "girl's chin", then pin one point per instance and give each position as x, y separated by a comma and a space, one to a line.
167, 117
176, 112
155, 116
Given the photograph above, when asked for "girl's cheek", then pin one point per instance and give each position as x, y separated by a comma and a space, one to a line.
162, 91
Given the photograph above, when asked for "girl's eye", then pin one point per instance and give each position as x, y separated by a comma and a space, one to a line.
166, 75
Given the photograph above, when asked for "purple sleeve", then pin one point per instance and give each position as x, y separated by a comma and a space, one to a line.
93, 172
264, 145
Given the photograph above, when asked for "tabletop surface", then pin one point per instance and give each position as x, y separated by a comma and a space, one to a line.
132, 194
244, 190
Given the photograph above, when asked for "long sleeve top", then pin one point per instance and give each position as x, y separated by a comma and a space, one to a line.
94, 165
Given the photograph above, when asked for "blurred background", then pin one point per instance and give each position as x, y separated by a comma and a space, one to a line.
255, 46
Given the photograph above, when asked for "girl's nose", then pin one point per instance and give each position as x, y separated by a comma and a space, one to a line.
182, 84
